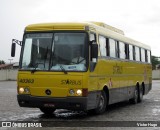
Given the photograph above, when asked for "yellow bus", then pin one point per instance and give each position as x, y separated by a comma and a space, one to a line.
80, 66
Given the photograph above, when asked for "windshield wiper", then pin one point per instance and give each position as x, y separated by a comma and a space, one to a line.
62, 68
35, 68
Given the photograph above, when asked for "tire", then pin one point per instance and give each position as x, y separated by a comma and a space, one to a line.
134, 100
140, 94
102, 103
47, 111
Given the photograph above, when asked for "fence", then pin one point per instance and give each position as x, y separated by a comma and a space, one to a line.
8, 74
12, 74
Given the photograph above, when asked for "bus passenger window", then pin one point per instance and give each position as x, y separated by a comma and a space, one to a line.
102, 41
112, 48
149, 56
130, 52
137, 53
142, 55
122, 50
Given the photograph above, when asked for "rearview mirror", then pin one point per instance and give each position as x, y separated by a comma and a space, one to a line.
13, 49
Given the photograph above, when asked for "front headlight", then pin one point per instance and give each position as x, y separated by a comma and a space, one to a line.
24, 90
21, 90
79, 92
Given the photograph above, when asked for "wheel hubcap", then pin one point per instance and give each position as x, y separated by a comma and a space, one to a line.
101, 102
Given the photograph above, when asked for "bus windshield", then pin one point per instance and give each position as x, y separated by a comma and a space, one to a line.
54, 52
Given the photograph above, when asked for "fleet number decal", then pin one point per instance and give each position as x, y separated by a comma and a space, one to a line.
26, 81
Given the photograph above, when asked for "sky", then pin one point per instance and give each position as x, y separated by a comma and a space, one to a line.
139, 19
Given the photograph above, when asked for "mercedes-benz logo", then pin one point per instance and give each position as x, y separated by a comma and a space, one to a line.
48, 92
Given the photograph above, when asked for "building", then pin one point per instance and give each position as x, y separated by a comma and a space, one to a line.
6, 66
9, 66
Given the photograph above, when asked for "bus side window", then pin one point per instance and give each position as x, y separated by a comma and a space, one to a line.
149, 56
112, 48
122, 50
143, 57
137, 53
130, 52
102, 41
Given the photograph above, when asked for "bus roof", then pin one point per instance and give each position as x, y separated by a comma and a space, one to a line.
101, 28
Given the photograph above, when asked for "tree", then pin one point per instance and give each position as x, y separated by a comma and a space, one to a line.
2, 62
155, 61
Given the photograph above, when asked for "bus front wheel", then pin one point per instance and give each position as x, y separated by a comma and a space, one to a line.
102, 103
47, 111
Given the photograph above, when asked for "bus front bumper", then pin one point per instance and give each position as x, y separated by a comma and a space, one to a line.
71, 103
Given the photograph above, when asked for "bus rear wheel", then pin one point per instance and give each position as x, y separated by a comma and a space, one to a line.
140, 94
102, 103
134, 100
47, 111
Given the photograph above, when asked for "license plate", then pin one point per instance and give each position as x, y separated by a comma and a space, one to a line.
49, 105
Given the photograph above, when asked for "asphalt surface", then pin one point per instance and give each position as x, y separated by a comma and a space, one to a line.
120, 113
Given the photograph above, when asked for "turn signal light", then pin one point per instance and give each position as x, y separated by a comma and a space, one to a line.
85, 92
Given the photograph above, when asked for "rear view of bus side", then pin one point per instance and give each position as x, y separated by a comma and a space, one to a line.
81, 66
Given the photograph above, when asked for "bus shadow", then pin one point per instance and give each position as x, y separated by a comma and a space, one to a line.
65, 114
68, 114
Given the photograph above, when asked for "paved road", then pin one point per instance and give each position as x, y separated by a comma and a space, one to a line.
148, 110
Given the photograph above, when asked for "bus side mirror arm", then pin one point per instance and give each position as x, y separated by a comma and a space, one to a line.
13, 47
